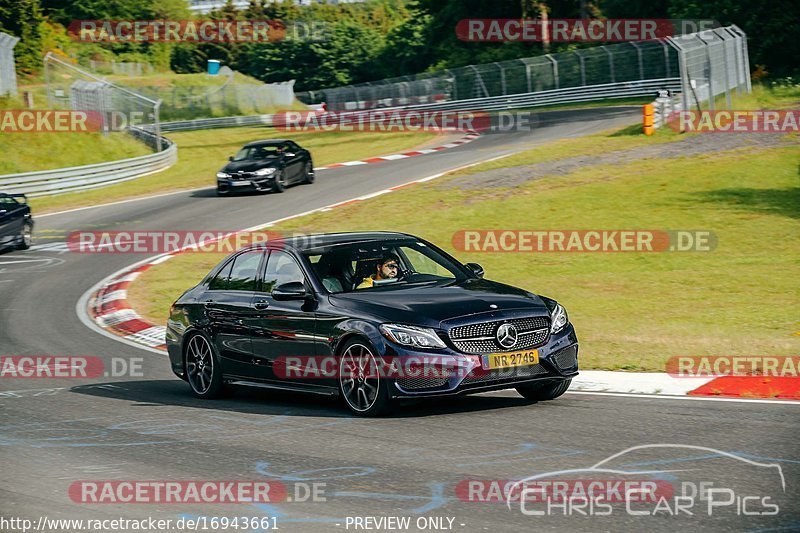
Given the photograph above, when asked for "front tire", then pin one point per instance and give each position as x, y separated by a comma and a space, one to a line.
202, 368
25, 237
308, 176
538, 392
279, 185
360, 384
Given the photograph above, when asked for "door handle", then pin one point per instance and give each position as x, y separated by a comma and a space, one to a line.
261, 304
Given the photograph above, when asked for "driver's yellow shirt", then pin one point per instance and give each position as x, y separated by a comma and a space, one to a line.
366, 283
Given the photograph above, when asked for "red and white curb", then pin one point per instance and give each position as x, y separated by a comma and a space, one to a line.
469, 137
664, 384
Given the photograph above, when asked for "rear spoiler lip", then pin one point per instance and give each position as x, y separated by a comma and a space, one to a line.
19, 195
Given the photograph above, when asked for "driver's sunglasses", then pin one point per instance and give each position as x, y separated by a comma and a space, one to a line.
391, 265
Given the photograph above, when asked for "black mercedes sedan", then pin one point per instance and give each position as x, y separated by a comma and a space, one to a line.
269, 165
369, 317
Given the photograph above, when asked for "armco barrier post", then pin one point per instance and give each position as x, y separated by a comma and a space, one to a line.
648, 111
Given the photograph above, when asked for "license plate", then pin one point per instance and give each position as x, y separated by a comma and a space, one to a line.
510, 359
238, 183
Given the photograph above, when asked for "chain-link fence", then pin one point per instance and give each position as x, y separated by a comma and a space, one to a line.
8, 72
118, 108
235, 96
618, 66
712, 63
121, 68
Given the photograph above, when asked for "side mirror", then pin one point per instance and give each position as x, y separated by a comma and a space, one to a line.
294, 290
230, 158
476, 269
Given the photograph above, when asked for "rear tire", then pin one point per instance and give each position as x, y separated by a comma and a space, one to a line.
202, 369
538, 392
360, 384
26, 237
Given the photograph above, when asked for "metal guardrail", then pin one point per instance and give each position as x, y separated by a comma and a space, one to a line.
63, 180
607, 91
220, 122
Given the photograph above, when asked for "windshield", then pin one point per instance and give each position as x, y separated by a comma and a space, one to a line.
382, 265
266, 151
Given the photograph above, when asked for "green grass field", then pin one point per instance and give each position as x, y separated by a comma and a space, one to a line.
202, 153
632, 310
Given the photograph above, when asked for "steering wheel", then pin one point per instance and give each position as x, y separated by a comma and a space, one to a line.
404, 273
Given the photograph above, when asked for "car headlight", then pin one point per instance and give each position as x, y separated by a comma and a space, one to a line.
412, 336
265, 171
558, 319
223, 175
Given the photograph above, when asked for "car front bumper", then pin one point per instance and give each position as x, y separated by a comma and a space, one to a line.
464, 374
245, 185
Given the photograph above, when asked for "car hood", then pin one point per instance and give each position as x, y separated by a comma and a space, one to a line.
250, 165
435, 306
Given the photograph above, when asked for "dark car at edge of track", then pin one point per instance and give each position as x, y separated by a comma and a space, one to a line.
16, 221
305, 297
267, 165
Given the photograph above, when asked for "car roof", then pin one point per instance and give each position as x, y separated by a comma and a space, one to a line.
320, 241
268, 142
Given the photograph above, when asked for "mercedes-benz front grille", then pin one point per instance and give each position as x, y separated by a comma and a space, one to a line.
482, 337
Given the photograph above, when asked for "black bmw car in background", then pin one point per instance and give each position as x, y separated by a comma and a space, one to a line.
269, 165
270, 309
16, 222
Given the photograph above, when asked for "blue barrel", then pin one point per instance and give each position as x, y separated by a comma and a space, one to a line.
213, 66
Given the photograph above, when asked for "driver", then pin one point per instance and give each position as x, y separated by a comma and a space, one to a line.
387, 267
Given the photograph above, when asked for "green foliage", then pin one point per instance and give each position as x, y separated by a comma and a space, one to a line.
346, 56
376, 39
24, 19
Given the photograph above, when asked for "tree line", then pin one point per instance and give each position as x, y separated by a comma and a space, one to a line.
375, 39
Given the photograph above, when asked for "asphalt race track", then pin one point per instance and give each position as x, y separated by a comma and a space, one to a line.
54, 432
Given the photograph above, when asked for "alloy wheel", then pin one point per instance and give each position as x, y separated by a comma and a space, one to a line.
199, 364
359, 378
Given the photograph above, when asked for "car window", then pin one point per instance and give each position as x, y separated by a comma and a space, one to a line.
8, 203
265, 151
244, 272
219, 281
423, 264
281, 268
